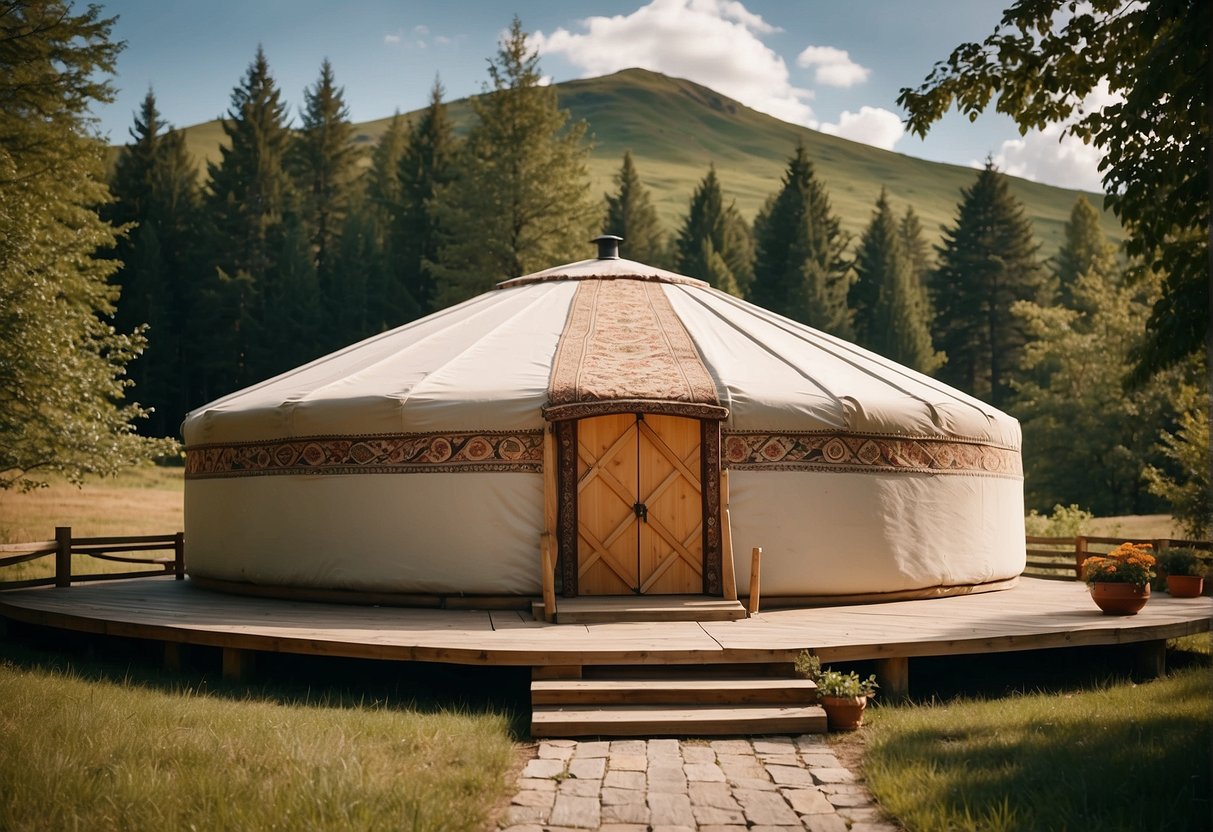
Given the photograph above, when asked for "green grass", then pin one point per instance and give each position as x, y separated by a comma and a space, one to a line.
99, 746
676, 128
1082, 754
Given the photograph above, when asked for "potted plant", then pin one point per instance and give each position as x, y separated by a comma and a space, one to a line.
843, 696
1120, 581
1182, 569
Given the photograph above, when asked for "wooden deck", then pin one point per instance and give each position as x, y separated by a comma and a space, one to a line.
1036, 614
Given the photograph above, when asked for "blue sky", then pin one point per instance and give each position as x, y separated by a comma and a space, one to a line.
834, 65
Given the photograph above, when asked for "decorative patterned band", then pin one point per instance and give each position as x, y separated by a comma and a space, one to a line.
410, 453
859, 453
583, 410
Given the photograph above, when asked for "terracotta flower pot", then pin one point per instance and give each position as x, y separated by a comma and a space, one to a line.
1185, 586
844, 713
1119, 598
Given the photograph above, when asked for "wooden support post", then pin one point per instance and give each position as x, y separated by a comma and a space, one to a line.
549, 577
549, 549
893, 676
174, 656
728, 576
755, 580
1150, 659
1080, 555
179, 555
237, 664
63, 556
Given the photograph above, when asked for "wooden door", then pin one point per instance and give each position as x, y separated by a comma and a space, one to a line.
639, 505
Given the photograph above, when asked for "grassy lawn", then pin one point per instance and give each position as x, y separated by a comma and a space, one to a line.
1082, 750
103, 745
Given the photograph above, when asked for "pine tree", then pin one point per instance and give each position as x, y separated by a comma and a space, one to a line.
155, 188
714, 242
520, 200
323, 161
382, 212
877, 262
1084, 249
426, 165
890, 306
62, 384
288, 321
917, 252
800, 268
986, 263
630, 214
247, 197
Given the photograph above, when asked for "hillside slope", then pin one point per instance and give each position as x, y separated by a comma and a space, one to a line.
676, 128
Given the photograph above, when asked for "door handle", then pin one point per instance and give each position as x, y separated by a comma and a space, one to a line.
642, 511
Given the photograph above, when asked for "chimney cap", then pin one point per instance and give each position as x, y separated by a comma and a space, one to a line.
608, 246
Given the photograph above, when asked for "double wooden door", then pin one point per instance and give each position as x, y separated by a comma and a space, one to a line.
639, 505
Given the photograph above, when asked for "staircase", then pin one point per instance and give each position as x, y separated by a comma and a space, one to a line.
703, 700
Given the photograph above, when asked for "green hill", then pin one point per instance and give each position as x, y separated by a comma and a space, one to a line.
676, 128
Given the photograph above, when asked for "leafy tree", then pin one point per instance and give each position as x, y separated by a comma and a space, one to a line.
1084, 249
1043, 60
630, 214
1086, 439
520, 200
1187, 489
427, 164
714, 243
323, 161
986, 263
62, 383
247, 197
892, 314
155, 189
801, 269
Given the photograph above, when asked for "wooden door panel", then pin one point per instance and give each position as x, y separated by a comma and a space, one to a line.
606, 496
671, 542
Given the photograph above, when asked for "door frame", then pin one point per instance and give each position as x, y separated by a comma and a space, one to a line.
566, 512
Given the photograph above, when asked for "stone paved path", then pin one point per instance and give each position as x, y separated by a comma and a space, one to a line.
728, 785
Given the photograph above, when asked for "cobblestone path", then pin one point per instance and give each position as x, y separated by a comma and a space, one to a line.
729, 785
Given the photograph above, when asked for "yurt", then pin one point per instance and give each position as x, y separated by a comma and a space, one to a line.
599, 403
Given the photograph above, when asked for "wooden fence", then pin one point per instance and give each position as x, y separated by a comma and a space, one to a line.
1061, 558
117, 549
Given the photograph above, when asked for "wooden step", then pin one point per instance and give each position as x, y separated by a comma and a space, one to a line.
691, 720
673, 691
612, 608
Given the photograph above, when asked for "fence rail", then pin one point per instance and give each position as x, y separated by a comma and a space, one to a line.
1063, 557
114, 549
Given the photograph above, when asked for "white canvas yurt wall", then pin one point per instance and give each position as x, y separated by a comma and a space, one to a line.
413, 462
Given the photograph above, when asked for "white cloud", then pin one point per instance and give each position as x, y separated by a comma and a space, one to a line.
833, 67
391, 40
418, 37
712, 42
871, 125
1048, 156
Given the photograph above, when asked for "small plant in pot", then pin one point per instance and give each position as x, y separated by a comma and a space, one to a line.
1120, 581
1182, 568
843, 696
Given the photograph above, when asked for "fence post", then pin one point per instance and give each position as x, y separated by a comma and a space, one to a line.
1080, 554
63, 556
179, 555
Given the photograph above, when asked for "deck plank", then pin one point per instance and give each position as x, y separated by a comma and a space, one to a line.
1037, 613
